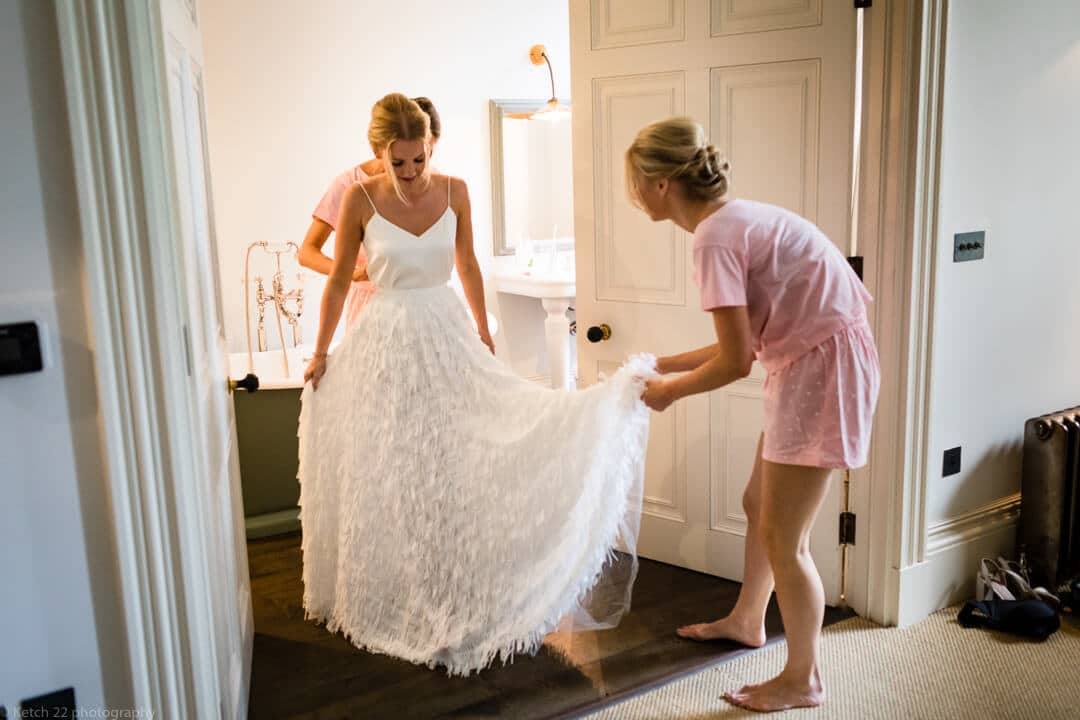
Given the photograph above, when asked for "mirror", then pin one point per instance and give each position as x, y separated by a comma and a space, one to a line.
531, 177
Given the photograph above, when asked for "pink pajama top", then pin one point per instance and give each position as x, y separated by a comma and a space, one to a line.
796, 285
327, 210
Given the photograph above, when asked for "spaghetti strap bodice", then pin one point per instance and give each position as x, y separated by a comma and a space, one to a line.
401, 260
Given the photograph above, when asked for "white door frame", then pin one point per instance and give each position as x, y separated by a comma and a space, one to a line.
115, 81
116, 95
904, 62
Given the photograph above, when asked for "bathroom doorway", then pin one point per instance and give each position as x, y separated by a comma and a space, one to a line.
201, 590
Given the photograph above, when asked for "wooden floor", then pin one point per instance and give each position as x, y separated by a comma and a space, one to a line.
302, 671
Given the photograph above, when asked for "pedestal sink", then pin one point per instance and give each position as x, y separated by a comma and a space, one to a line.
556, 294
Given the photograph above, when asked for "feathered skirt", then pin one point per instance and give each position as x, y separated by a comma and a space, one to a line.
453, 512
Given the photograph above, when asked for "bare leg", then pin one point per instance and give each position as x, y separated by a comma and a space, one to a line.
792, 495
746, 622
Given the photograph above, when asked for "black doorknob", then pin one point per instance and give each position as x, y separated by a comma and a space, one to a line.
598, 333
249, 383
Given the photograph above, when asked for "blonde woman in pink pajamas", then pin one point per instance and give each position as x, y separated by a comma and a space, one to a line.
324, 220
779, 291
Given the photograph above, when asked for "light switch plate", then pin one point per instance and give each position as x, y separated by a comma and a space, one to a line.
969, 246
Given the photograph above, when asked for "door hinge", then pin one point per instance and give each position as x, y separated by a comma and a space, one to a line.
856, 263
863, 4
847, 528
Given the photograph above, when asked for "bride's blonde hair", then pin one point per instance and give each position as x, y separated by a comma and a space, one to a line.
396, 117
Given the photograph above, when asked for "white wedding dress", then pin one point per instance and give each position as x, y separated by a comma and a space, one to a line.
452, 511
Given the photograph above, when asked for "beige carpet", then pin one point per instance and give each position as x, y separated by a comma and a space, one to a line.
934, 669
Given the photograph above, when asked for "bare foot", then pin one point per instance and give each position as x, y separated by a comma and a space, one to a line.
725, 629
779, 694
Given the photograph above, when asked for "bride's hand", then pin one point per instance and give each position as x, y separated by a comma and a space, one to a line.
315, 370
486, 339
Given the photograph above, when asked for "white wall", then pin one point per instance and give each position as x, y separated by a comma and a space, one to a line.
289, 93
1006, 335
60, 622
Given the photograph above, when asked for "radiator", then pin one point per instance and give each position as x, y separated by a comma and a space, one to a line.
1048, 529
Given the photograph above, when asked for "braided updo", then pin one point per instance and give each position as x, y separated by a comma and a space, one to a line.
677, 149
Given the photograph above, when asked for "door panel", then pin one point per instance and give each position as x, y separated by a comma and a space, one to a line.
618, 23
765, 117
636, 260
732, 17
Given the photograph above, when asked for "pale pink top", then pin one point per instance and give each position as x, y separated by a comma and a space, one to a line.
327, 210
796, 285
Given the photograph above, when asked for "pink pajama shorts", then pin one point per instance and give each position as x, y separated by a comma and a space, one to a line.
359, 294
819, 409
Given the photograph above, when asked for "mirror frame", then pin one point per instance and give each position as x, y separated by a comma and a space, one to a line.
497, 109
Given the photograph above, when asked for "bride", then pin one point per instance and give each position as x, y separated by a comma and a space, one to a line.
452, 512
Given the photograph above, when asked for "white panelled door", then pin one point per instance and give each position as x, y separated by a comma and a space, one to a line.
773, 83
226, 628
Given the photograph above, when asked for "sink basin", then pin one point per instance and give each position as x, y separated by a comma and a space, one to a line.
537, 286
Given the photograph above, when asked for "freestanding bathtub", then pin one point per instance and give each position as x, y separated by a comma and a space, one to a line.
266, 423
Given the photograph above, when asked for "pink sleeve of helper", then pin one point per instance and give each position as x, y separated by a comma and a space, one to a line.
721, 275
328, 207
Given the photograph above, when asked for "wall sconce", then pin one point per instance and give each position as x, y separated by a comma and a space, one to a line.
553, 109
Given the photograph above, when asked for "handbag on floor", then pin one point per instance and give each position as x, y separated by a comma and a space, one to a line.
1029, 618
